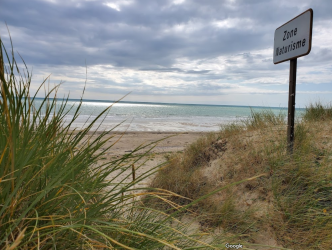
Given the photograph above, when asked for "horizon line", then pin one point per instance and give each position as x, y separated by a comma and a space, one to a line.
165, 103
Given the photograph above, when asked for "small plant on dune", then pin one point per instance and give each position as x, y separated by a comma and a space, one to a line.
54, 194
263, 119
318, 112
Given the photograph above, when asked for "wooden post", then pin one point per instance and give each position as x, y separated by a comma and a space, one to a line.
2, 71
291, 104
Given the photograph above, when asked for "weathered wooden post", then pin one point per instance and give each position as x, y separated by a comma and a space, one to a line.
2, 71
293, 40
291, 104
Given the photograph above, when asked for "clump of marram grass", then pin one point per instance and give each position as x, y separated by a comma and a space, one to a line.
264, 118
289, 207
53, 194
318, 112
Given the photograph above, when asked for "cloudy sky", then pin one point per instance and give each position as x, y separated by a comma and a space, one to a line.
173, 51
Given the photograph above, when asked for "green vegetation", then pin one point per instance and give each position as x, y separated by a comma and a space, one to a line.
54, 194
317, 112
265, 118
58, 191
290, 206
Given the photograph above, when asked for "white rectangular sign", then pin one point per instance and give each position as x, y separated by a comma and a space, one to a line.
293, 39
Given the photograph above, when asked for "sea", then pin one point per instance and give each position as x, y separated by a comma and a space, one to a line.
159, 117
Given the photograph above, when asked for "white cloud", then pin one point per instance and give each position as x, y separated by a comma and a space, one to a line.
177, 50
116, 5
176, 2
112, 6
237, 23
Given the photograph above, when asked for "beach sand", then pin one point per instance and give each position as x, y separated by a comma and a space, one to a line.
125, 143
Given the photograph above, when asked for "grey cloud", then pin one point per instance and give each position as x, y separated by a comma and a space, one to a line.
320, 55
142, 36
68, 34
198, 71
176, 70
161, 69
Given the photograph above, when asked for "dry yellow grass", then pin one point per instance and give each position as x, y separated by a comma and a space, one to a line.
289, 207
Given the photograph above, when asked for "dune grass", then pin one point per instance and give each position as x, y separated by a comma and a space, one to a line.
54, 194
264, 118
288, 207
318, 112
